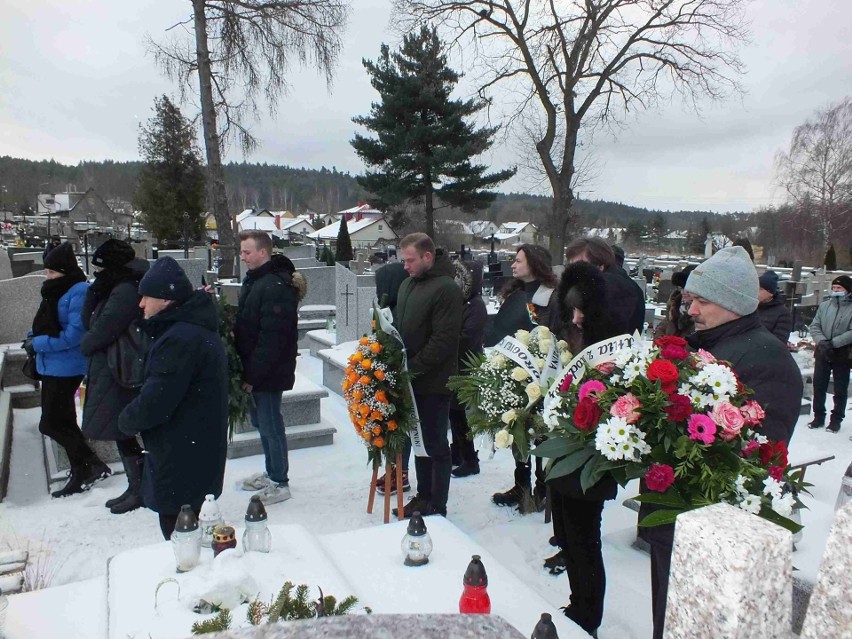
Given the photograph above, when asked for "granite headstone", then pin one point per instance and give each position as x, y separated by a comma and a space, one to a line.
21, 297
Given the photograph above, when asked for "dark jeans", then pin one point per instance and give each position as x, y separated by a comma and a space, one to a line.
433, 472
823, 370
59, 418
266, 418
462, 447
661, 539
581, 529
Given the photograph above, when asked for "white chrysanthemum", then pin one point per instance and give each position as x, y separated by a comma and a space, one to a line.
739, 486
783, 505
750, 503
496, 360
761, 439
542, 332
620, 431
545, 344
772, 487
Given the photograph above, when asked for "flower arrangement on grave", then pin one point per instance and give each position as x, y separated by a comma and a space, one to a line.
376, 387
239, 401
682, 421
502, 390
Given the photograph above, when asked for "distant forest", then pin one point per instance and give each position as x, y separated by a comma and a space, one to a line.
324, 190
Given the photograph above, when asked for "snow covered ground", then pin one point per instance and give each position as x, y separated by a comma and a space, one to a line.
72, 538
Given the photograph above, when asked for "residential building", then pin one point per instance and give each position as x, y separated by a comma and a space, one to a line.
364, 233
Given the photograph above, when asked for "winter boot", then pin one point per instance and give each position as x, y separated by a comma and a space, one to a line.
833, 425
466, 468
415, 504
818, 421
75, 482
556, 564
97, 470
380, 483
131, 499
518, 493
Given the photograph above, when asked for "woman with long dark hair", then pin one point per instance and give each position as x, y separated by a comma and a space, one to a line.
111, 306
55, 341
586, 320
528, 301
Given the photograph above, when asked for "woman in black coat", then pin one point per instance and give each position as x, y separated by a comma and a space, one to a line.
111, 306
585, 320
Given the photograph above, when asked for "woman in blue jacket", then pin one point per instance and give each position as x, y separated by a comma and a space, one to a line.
55, 342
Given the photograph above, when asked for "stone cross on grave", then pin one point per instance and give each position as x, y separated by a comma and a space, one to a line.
353, 302
346, 294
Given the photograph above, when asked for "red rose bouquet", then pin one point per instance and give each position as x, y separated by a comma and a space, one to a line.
681, 421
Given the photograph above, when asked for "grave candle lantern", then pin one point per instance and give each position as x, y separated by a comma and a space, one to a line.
209, 518
545, 628
186, 540
256, 536
475, 599
417, 543
224, 537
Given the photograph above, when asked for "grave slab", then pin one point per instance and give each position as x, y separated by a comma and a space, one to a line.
829, 613
731, 577
21, 297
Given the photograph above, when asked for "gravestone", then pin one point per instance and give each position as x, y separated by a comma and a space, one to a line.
194, 268
359, 264
300, 252
664, 290
5, 265
829, 613
731, 576
353, 306
21, 297
321, 285
797, 272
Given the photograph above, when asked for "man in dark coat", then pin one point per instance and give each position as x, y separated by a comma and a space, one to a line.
474, 315
772, 310
724, 293
388, 280
429, 312
625, 300
182, 407
110, 309
266, 334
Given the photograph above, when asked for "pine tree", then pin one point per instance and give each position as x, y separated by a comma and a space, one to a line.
423, 146
171, 181
830, 260
343, 252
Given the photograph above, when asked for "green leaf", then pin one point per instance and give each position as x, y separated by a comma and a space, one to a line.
592, 472
571, 463
784, 522
668, 498
660, 518
557, 447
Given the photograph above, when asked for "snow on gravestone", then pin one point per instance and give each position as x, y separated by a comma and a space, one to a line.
354, 302
731, 576
829, 613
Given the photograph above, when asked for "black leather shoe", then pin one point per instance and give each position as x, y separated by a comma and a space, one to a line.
415, 504
818, 422
465, 469
833, 426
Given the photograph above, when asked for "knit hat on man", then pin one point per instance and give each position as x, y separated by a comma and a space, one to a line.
769, 282
165, 280
845, 281
62, 259
727, 279
113, 253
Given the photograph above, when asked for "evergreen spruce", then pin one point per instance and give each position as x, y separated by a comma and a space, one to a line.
171, 181
220, 622
327, 257
423, 146
343, 252
830, 260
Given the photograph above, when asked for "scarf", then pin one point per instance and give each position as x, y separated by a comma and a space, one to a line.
108, 278
46, 320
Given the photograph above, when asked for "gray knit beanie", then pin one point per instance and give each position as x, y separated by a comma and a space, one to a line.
727, 279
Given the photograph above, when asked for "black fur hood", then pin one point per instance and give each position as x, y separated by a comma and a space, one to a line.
583, 287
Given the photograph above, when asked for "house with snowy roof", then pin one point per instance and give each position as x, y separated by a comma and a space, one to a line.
516, 233
364, 233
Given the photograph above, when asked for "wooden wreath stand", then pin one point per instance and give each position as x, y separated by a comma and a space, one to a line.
374, 482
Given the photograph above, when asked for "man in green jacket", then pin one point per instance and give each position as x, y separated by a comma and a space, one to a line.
429, 318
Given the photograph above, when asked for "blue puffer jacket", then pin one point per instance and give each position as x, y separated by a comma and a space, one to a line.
60, 356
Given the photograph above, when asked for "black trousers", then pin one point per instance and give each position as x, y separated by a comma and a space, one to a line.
462, 447
523, 475
168, 523
433, 472
59, 418
580, 522
129, 447
661, 539
823, 370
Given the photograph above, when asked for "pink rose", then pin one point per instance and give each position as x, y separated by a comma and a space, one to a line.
729, 418
566, 384
701, 428
590, 387
752, 412
606, 367
703, 357
751, 447
627, 408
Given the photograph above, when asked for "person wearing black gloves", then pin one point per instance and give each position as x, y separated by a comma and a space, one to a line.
110, 308
832, 333
55, 341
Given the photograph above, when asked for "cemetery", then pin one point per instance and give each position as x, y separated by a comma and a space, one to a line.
111, 577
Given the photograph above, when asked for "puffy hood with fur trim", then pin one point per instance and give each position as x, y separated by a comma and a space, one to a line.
583, 287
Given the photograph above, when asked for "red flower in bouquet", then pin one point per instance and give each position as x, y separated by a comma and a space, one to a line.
701, 428
605, 367
679, 409
670, 340
777, 473
566, 384
587, 414
591, 389
749, 448
659, 477
729, 418
666, 372
672, 347
771, 450
752, 412
627, 408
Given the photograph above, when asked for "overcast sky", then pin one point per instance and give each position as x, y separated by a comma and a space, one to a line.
75, 81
